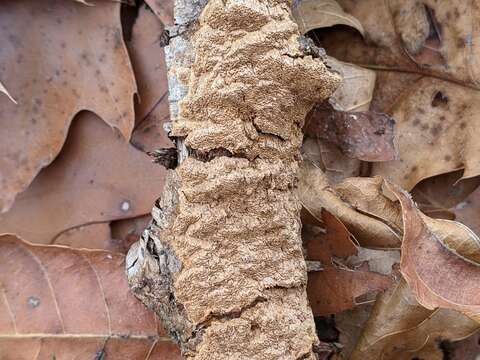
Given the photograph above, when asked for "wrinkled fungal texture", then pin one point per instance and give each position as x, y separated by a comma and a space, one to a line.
222, 262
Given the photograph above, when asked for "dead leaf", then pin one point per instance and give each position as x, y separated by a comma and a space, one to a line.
314, 14
433, 251
403, 41
355, 93
163, 9
96, 178
440, 195
61, 303
91, 236
366, 195
437, 133
4, 90
467, 211
148, 61
365, 135
390, 88
350, 324
75, 59
149, 134
467, 349
431, 37
316, 193
328, 157
399, 328
434, 257
337, 286
379, 261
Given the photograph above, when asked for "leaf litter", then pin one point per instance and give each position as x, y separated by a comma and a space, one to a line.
393, 278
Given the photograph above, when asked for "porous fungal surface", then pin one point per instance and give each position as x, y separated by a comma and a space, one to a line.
222, 262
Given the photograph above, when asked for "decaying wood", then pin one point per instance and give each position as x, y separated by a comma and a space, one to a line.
222, 262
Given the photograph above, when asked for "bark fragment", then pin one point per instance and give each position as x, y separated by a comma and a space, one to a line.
222, 262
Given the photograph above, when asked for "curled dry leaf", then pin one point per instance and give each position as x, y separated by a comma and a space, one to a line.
53, 73
366, 195
61, 303
95, 178
314, 14
336, 286
431, 37
406, 40
437, 254
400, 329
442, 195
437, 130
315, 193
356, 90
365, 135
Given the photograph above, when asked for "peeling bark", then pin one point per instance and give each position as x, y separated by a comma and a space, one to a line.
222, 262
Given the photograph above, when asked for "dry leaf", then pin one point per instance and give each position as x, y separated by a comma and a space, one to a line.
405, 40
467, 349
440, 196
337, 286
61, 303
399, 328
437, 130
316, 193
91, 236
314, 14
96, 178
350, 324
432, 37
163, 9
74, 59
325, 155
366, 195
150, 134
148, 61
467, 211
439, 260
4, 90
436, 250
354, 93
390, 87
356, 90
365, 135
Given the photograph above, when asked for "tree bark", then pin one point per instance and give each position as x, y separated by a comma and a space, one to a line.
222, 262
